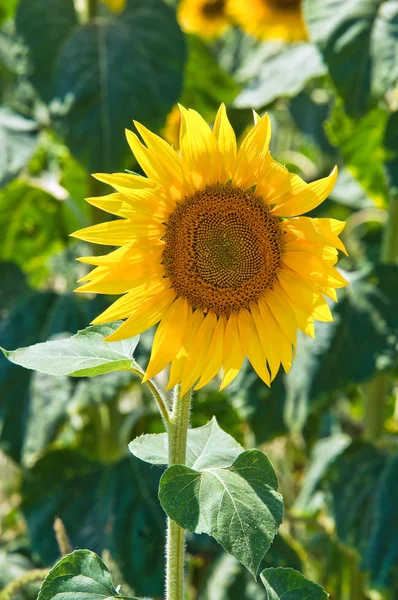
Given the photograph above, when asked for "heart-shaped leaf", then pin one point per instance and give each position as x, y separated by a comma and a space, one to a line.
79, 576
288, 583
207, 447
239, 505
82, 355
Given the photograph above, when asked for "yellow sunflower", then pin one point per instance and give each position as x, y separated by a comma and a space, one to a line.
171, 129
270, 19
206, 18
213, 249
116, 6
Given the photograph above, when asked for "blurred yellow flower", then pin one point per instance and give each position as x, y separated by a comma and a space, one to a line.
116, 5
270, 19
212, 248
205, 18
171, 129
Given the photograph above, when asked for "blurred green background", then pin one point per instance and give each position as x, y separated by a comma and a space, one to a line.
73, 75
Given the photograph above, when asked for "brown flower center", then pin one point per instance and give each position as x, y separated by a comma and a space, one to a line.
212, 9
223, 249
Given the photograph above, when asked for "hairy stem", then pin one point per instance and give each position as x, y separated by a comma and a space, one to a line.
175, 545
156, 393
375, 390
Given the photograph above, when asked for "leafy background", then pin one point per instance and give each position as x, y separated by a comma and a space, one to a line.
71, 80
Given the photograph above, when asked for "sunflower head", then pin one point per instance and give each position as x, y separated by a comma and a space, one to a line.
206, 18
212, 248
270, 19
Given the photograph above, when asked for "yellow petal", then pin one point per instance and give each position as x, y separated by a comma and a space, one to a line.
233, 355
252, 345
120, 232
126, 180
226, 139
307, 198
153, 167
304, 297
326, 253
273, 180
178, 363
252, 153
169, 161
283, 314
304, 319
321, 231
281, 344
268, 345
127, 305
214, 362
169, 336
313, 268
199, 149
149, 313
199, 353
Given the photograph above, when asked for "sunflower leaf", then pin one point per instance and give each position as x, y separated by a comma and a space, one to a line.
207, 447
238, 505
80, 575
85, 354
280, 583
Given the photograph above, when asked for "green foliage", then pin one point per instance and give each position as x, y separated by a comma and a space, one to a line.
206, 85
81, 575
237, 505
289, 68
73, 75
320, 369
82, 355
350, 37
110, 507
281, 583
207, 446
18, 140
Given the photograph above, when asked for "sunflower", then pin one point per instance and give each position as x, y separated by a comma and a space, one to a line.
212, 247
171, 129
116, 6
270, 19
206, 18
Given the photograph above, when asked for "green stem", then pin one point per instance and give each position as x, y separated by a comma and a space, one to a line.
175, 545
156, 393
92, 8
375, 391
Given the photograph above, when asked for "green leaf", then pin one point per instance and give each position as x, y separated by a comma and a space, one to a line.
228, 580
45, 26
33, 229
391, 145
18, 141
290, 584
79, 576
110, 72
324, 452
342, 30
276, 71
82, 355
111, 507
239, 505
206, 85
361, 144
321, 366
13, 285
381, 554
385, 48
207, 447
34, 316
